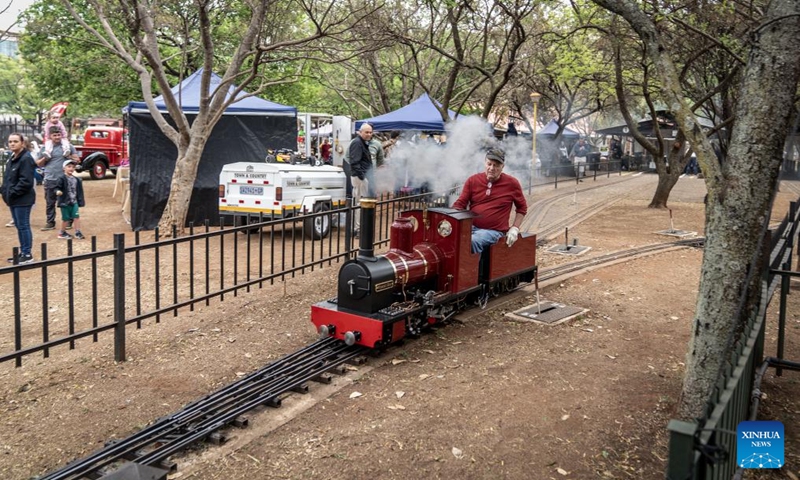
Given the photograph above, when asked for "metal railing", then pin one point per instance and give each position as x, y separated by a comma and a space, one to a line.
553, 174
84, 294
706, 449
58, 301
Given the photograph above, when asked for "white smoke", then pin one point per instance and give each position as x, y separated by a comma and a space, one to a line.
415, 162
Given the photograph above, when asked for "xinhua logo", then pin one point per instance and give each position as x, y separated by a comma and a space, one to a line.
759, 444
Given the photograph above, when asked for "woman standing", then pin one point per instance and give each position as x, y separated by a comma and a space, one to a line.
19, 195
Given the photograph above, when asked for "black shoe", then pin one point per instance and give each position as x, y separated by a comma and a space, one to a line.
25, 258
79, 235
49, 226
69, 225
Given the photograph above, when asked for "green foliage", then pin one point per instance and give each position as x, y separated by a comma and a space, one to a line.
18, 95
70, 66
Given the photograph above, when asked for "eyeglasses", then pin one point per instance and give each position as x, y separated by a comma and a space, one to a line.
489, 189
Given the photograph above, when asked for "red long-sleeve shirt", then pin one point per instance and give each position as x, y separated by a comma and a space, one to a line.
494, 208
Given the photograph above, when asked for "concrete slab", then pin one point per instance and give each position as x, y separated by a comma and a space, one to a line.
547, 313
134, 471
676, 233
569, 249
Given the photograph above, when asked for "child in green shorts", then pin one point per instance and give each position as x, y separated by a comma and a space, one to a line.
69, 191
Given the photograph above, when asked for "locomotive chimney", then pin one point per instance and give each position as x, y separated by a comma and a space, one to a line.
366, 243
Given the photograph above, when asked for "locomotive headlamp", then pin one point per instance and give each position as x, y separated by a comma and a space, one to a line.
445, 228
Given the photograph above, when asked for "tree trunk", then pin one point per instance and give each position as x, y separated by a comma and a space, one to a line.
182, 186
661, 195
667, 178
740, 203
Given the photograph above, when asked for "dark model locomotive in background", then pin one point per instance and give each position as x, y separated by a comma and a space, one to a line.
426, 277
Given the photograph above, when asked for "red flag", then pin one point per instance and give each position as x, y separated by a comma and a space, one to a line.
59, 108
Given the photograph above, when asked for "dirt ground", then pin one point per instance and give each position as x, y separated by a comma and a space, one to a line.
485, 397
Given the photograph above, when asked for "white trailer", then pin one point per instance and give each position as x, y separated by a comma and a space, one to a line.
275, 190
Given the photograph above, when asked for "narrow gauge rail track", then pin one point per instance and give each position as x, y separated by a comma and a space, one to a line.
538, 210
613, 257
202, 419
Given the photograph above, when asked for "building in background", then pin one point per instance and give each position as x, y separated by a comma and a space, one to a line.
9, 44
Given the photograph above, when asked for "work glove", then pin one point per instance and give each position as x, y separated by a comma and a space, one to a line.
512, 235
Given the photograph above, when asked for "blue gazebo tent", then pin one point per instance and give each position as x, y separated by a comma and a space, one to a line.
188, 94
552, 127
245, 131
421, 114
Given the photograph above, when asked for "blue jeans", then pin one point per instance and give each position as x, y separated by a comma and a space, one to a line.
22, 220
482, 238
692, 168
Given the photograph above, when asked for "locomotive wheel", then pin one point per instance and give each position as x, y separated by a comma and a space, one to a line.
318, 226
98, 170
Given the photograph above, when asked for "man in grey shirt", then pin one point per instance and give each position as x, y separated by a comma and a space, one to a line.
51, 157
376, 153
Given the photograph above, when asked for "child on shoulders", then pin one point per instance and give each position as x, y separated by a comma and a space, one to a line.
54, 120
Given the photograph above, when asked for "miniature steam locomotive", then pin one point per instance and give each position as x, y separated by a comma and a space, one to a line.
428, 275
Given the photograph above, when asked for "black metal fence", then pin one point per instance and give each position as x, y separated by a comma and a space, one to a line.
707, 449
559, 174
60, 301
9, 125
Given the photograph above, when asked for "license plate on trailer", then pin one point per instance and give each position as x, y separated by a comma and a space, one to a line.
248, 190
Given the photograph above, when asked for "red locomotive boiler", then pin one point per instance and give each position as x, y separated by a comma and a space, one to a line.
427, 276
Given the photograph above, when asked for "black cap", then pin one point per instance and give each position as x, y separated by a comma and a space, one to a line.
496, 154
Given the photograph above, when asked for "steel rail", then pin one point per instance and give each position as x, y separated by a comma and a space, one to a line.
201, 418
557, 271
538, 210
220, 421
155, 430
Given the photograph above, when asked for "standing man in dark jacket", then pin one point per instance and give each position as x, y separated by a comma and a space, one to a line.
19, 195
579, 152
360, 167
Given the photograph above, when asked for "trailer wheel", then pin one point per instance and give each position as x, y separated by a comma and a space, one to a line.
98, 171
318, 226
252, 220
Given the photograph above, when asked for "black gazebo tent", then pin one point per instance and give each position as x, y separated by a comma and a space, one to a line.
246, 130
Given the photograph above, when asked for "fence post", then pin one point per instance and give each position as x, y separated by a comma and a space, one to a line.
680, 462
348, 226
119, 297
766, 250
782, 315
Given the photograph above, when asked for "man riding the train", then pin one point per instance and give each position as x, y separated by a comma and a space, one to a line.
491, 195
